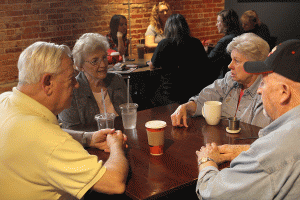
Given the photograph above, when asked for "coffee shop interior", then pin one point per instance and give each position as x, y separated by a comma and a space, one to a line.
23, 22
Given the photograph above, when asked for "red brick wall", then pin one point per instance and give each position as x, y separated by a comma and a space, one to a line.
23, 22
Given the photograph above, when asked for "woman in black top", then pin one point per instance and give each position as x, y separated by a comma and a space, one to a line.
252, 24
183, 62
229, 25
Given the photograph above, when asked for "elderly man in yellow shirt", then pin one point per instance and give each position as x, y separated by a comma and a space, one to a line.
38, 160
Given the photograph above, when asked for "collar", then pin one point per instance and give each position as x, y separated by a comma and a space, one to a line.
252, 90
33, 106
291, 115
85, 88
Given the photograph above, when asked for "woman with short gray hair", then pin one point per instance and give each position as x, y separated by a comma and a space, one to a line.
237, 90
253, 47
90, 58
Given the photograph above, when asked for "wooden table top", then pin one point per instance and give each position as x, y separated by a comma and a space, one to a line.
154, 176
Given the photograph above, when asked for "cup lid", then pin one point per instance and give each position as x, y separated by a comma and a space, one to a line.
103, 116
115, 54
128, 105
156, 124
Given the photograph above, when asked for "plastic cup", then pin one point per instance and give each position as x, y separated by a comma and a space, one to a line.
105, 121
156, 136
141, 50
129, 115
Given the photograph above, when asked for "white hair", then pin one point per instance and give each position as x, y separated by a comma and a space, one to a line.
88, 43
253, 47
40, 58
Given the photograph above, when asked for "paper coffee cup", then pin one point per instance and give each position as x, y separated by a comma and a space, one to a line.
156, 138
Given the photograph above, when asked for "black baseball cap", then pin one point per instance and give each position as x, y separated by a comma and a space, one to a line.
284, 59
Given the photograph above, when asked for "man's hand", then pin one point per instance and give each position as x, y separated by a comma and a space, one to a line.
116, 140
229, 152
99, 139
179, 117
211, 151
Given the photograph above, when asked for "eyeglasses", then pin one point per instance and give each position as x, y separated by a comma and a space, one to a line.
98, 61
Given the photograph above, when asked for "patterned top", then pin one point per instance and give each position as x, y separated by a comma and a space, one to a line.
114, 46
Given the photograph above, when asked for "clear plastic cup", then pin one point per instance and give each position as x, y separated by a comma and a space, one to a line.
129, 115
105, 121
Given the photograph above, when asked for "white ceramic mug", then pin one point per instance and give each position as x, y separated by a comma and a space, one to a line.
211, 111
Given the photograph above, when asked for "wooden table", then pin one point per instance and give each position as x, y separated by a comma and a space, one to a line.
156, 176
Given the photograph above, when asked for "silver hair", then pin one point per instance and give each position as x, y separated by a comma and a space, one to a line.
253, 47
40, 58
88, 43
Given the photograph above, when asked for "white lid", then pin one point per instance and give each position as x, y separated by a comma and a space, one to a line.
115, 54
156, 124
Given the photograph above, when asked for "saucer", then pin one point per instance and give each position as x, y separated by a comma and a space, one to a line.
233, 131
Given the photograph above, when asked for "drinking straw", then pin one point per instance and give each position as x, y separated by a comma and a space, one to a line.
102, 93
128, 90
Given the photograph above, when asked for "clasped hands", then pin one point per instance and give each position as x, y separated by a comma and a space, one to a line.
221, 153
105, 139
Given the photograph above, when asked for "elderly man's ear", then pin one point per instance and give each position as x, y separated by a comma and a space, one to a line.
285, 94
47, 83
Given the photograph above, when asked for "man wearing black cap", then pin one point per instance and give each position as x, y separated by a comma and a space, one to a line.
270, 169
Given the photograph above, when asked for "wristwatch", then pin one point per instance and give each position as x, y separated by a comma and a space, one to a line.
84, 140
204, 160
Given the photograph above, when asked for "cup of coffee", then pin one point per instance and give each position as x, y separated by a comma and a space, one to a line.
156, 139
211, 111
105, 121
115, 57
129, 115
141, 50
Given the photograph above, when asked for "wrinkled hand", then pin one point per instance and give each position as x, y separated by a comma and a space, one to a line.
229, 152
117, 139
211, 151
179, 117
119, 34
99, 139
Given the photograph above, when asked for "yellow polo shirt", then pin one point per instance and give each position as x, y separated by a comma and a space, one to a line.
37, 159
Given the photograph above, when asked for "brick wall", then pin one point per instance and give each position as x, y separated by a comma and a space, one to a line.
23, 22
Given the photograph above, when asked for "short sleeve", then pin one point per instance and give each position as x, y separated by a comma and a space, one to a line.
150, 31
72, 169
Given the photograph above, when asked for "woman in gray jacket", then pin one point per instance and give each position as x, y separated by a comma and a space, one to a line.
90, 58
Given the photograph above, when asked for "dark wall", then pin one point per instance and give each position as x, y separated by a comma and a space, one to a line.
282, 18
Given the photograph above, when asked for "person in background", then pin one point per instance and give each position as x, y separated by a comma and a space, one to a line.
237, 90
117, 37
252, 24
180, 57
158, 18
38, 160
90, 58
270, 167
227, 24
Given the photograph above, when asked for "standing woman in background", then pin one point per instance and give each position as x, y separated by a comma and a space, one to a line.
183, 62
155, 30
117, 37
228, 24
